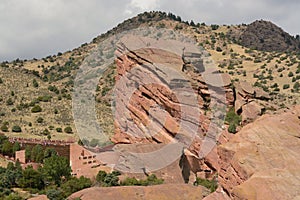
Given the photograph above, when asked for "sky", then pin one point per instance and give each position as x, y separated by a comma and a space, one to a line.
38, 28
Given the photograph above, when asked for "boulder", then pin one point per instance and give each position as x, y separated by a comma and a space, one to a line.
251, 111
247, 87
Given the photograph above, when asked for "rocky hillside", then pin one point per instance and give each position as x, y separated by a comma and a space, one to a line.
266, 36
259, 69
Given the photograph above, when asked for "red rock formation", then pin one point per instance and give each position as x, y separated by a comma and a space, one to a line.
262, 160
146, 102
151, 100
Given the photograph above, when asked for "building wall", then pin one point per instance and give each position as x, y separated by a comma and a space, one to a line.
83, 162
20, 155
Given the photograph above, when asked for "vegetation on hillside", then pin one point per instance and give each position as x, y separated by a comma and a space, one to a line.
212, 185
53, 179
233, 120
42, 88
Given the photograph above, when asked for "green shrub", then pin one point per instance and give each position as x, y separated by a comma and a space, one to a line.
4, 128
40, 120
46, 98
275, 85
232, 128
54, 194
36, 109
286, 86
209, 184
130, 181
151, 180
31, 179
214, 27
7, 148
13, 196
233, 120
218, 49
232, 117
16, 129
54, 89
75, 184
108, 179
68, 129
101, 176
296, 86
35, 83
291, 74
1, 81
59, 130
46, 132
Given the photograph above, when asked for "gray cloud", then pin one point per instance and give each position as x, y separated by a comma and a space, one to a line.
37, 28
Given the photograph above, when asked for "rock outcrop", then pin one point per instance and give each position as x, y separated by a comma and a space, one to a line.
162, 192
163, 97
150, 111
262, 160
249, 101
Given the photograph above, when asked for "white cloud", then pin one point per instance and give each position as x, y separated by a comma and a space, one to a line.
144, 4
37, 28
141, 6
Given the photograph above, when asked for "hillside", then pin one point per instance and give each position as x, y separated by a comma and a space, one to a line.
257, 72
276, 72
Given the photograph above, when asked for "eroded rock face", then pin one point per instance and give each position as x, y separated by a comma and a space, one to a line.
169, 107
151, 101
262, 160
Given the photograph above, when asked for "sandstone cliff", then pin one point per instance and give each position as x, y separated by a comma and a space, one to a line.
148, 110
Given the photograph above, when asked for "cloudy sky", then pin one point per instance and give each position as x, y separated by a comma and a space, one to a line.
37, 28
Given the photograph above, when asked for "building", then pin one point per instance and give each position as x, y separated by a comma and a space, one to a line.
84, 162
